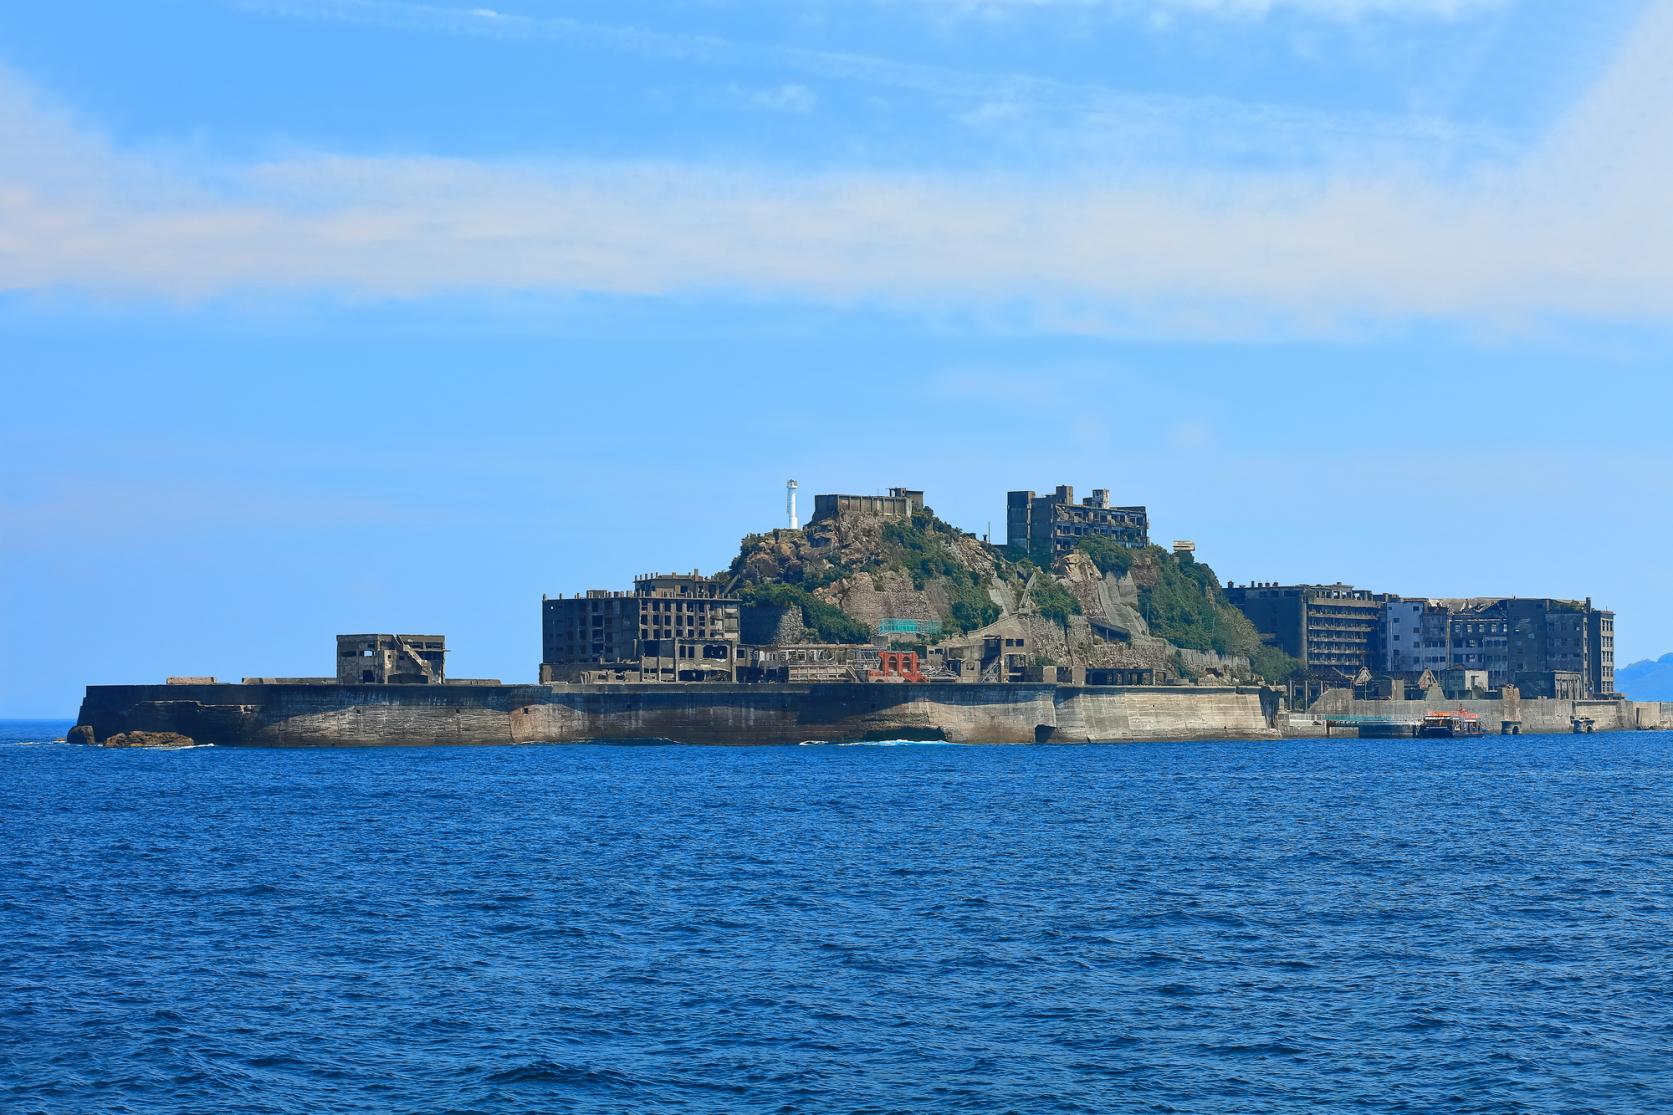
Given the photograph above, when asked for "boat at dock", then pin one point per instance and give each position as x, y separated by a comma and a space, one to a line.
1448, 724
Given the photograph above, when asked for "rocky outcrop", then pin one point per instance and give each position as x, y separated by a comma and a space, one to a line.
872, 597
150, 739
81, 733
874, 570
877, 569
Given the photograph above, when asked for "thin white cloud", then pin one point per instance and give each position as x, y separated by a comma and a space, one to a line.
1579, 230
792, 97
1075, 117
1238, 9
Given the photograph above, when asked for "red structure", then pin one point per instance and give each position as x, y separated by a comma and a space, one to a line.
896, 665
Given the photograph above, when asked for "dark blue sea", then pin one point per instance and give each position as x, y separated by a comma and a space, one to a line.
1394, 925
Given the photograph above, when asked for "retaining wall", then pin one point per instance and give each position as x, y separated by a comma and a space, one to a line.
355, 715
1537, 714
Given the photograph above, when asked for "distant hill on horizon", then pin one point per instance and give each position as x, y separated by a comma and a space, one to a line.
1647, 680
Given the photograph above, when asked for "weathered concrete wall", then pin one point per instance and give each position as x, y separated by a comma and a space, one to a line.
1202, 660
1164, 713
1537, 714
1654, 714
354, 715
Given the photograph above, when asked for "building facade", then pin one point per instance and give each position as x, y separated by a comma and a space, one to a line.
1054, 523
804, 663
1479, 634
1413, 636
391, 659
1332, 629
671, 627
1543, 646
1600, 630
900, 503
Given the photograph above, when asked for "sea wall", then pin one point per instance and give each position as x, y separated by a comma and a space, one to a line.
1654, 714
357, 715
1536, 714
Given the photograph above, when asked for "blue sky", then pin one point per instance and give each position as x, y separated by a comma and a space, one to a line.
333, 315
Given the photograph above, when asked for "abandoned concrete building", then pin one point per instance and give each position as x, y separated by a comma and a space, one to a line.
390, 659
1478, 638
984, 657
1542, 646
1331, 629
671, 627
814, 662
900, 503
1600, 639
1055, 522
1414, 637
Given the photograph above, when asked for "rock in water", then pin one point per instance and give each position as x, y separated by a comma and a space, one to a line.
150, 739
81, 733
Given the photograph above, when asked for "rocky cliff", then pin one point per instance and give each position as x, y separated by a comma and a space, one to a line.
1104, 606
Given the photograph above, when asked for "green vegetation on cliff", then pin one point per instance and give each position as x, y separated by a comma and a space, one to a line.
923, 566
972, 607
924, 553
1052, 600
952, 569
1108, 556
1018, 553
919, 551
827, 621
1181, 601
1275, 666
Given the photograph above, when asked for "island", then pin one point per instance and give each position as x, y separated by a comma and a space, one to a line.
878, 620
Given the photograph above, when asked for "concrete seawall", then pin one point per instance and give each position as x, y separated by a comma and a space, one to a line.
286, 715
1535, 714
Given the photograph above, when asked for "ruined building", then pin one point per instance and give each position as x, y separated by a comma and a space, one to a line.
1478, 638
802, 663
1055, 522
1331, 629
1544, 647
900, 503
390, 659
1414, 636
671, 627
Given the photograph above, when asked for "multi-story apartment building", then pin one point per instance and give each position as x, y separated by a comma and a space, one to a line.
1332, 629
1053, 524
1413, 636
1600, 632
671, 627
1479, 634
1544, 646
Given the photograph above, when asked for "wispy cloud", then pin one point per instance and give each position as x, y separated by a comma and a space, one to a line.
1078, 118
1579, 229
791, 97
1239, 9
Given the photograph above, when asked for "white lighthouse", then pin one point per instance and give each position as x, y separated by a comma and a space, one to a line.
790, 505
